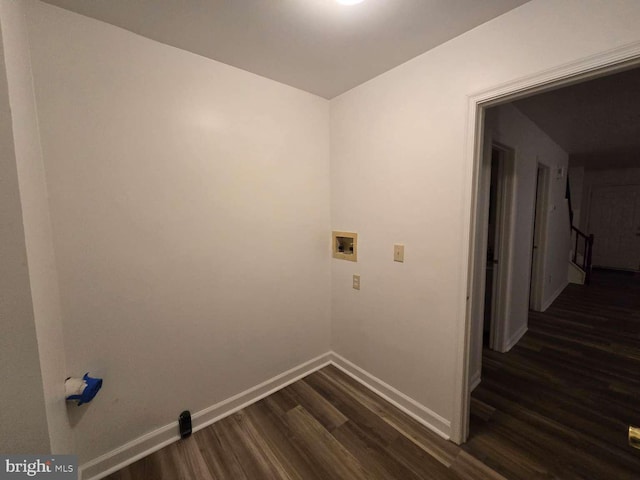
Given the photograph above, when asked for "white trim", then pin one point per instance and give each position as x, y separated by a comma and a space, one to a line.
476, 378
571, 72
540, 228
153, 441
515, 338
547, 303
591, 66
427, 417
507, 199
472, 169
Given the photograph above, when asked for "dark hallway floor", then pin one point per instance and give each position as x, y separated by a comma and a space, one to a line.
559, 404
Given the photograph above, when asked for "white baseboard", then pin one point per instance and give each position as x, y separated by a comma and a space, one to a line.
434, 422
153, 441
547, 303
515, 338
475, 380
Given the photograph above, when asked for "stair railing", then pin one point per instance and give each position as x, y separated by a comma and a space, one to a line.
586, 243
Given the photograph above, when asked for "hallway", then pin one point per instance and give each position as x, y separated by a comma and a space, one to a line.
558, 405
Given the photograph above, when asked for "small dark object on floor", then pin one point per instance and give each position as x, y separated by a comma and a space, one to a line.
184, 420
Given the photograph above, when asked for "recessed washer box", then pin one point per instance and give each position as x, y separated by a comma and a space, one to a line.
345, 246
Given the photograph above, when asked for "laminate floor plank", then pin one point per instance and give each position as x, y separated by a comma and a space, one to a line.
330, 456
564, 452
218, 454
431, 443
178, 461
419, 461
544, 426
377, 430
282, 441
469, 467
189, 461
503, 455
321, 409
380, 463
254, 455
561, 400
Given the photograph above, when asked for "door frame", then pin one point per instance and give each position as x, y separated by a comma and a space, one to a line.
505, 210
608, 62
539, 245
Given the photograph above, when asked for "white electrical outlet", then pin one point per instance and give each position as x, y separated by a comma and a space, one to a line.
356, 282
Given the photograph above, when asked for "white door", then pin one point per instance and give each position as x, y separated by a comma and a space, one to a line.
614, 221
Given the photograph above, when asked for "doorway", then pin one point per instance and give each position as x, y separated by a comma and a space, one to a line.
475, 269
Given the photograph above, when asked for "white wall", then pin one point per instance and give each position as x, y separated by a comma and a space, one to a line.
23, 423
398, 174
37, 223
532, 146
576, 180
507, 126
176, 184
601, 177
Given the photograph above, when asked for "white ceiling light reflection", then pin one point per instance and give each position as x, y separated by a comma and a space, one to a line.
349, 2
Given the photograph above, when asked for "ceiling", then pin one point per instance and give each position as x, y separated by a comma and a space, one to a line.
597, 122
316, 45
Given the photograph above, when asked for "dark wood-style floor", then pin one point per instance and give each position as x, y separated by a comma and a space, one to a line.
559, 404
326, 426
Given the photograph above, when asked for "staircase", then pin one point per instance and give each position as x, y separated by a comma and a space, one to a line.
581, 252
580, 257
